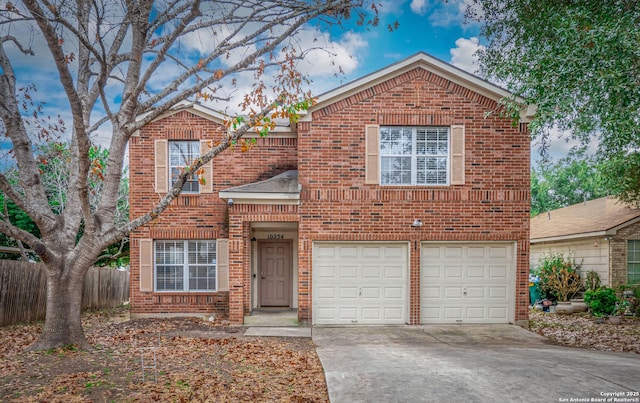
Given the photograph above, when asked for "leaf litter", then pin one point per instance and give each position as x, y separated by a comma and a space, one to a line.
197, 361
581, 330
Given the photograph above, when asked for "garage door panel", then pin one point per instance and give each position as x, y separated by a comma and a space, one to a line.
347, 272
467, 283
475, 272
370, 252
430, 292
347, 313
393, 314
453, 252
475, 252
497, 272
371, 293
348, 292
370, 279
453, 292
431, 271
394, 293
327, 272
325, 292
453, 312
476, 313
371, 314
453, 272
475, 292
371, 272
498, 313
498, 292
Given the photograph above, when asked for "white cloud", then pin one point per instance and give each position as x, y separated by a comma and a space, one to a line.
419, 6
451, 13
464, 55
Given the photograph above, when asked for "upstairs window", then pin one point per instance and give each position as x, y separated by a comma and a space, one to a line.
182, 154
414, 155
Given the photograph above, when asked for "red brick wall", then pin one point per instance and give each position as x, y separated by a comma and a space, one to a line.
492, 205
618, 254
202, 216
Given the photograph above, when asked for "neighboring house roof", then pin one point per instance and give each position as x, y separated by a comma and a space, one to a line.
600, 217
281, 188
429, 63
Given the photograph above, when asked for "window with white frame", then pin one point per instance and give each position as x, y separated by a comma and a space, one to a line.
185, 265
182, 154
414, 155
633, 261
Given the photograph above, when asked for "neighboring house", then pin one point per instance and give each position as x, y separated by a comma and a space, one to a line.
602, 235
393, 200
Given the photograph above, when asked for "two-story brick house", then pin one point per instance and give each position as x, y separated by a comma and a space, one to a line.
394, 200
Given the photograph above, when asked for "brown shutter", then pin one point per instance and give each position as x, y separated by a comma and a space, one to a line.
161, 166
372, 159
222, 254
146, 265
457, 155
207, 187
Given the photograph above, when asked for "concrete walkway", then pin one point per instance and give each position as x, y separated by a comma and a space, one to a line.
455, 363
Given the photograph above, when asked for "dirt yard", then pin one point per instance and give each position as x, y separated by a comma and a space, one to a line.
580, 330
196, 361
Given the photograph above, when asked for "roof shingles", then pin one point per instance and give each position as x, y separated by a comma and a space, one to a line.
594, 216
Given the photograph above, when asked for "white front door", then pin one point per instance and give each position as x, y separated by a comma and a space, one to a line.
467, 283
360, 283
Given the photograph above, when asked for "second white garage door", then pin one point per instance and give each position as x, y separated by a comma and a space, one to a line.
467, 283
359, 283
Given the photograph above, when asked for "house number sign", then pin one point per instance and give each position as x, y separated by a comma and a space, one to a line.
275, 236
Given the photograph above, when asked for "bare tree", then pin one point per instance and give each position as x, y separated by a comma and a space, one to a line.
105, 50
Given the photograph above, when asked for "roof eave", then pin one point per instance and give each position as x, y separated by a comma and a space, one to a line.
261, 197
570, 237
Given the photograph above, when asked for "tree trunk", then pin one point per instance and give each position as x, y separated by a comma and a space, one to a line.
63, 326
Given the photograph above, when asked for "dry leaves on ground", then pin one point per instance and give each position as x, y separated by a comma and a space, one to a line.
580, 330
196, 361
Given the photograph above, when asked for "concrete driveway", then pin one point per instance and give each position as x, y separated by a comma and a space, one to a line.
486, 363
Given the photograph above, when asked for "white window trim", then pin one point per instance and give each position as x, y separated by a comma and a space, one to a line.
414, 157
635, 243
185, 266
171, 166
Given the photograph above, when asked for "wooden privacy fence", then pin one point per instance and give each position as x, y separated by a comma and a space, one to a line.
23, 290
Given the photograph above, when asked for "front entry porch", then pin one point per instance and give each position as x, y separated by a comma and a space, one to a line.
272, 317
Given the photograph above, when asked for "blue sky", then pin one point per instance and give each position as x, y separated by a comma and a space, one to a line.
432, 26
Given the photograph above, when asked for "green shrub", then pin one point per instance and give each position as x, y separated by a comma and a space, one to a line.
592, 282
602, 301
559, 277
634, 299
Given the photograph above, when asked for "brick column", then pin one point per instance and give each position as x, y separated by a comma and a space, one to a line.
236, 270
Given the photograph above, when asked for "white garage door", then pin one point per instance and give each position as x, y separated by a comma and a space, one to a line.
467, 283
359, 283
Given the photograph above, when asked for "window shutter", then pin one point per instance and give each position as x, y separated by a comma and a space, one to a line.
457, 155
222, 268
146, 265
161, 166
372, 159
205, 147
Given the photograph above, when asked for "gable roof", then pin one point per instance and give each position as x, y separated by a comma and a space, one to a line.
599, 217
429, 63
